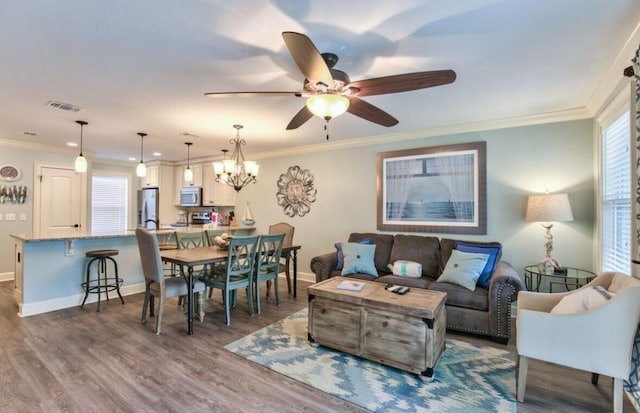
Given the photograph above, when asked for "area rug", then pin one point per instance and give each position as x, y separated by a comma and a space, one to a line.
468, 377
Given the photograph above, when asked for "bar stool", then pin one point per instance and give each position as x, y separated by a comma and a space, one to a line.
106, 283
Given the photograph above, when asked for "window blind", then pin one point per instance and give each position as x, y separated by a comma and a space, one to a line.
109, 204
616, 196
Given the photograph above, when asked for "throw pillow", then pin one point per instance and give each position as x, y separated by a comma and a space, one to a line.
358, 258
406, 268
492, 250
340, 255
464, 269
584, 299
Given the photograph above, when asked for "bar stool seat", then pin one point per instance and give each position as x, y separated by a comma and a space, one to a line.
102, 282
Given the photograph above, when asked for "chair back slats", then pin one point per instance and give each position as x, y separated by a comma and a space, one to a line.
269, 253
149, 255
190, 239
283, 228
241, 257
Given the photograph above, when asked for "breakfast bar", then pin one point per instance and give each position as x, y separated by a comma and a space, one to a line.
49, 271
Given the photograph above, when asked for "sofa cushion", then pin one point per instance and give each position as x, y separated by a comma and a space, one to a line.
358, 258
447, 245
420, 249
383, 243
461, 297
464, 269
493, 251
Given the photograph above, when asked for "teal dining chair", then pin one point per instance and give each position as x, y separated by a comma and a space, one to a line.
238, 274
287, 230
268, 265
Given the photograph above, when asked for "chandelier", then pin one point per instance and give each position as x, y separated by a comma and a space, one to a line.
236, 171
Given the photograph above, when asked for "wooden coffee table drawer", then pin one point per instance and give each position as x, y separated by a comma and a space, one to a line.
336, 324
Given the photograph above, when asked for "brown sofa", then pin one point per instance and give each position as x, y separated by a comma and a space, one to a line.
483, 311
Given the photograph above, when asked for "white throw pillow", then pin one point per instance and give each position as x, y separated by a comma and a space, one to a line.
405, 268
582, 300
464, 269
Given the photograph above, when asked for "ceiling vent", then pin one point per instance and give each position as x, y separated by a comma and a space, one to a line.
63, 106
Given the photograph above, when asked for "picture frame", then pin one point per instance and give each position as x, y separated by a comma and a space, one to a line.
433, 189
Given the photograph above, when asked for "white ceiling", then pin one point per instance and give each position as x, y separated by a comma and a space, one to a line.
143, 66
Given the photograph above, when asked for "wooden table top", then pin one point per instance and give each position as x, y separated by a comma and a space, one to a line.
203, 255
417, 302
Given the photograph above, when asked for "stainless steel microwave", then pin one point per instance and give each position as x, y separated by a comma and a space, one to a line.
191, 196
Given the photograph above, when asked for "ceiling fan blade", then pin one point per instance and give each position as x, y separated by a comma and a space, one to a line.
403, 82
301, 117
307, 57
250, 94
371, 113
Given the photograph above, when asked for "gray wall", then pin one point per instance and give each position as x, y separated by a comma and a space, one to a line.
520, 161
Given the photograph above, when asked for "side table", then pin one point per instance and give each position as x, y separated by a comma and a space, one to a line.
572, 279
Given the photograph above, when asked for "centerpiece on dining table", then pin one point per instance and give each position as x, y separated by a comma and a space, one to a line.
222, 241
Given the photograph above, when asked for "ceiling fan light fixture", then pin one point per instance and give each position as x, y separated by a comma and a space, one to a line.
327, 106
81, 161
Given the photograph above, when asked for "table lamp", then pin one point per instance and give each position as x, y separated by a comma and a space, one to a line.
549, 208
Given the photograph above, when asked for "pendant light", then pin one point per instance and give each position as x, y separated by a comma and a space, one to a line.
81, 161
236, 171
188, 173
141, 170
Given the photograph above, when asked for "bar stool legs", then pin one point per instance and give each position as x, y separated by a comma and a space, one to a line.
102, 283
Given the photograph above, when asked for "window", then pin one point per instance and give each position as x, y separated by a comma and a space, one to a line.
616, 195
109, 204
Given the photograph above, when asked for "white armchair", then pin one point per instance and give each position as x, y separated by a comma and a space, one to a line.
599, 341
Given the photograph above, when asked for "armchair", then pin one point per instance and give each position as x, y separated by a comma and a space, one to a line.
599, 340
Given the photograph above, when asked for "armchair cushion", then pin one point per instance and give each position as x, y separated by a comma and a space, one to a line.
584, 299
463, 269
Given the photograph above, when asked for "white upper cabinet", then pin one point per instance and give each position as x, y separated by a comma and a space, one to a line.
152, 178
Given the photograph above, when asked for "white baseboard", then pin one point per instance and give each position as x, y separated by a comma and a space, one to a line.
39, 307
6, 276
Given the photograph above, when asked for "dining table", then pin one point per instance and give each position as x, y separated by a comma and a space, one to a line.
191, 257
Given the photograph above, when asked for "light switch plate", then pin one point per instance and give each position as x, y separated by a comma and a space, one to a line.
23, 217
10, 217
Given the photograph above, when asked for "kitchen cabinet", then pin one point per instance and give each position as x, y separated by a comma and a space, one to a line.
180, 182
153, 176
216, 193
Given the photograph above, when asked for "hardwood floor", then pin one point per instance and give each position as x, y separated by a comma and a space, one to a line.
77, 360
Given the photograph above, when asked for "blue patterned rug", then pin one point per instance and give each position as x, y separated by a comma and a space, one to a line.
468, 377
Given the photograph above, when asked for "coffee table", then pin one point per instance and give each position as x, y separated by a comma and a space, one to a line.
402, 331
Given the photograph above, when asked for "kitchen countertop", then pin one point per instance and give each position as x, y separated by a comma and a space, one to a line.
164, 230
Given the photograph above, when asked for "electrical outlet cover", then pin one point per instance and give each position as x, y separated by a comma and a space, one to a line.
23, 217
10, 217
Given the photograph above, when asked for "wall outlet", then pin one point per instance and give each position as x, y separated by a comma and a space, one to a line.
11, 217
23, 217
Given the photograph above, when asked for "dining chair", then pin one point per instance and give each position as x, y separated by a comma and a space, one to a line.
268, 265
238, 273
287, 230
219, 268
191, 239
156, 284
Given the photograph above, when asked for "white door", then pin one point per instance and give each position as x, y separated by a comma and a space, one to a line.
59, 201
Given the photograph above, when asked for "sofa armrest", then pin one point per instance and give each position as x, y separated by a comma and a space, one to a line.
503, 290
322, 265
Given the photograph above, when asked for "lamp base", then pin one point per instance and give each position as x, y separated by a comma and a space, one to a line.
548, 265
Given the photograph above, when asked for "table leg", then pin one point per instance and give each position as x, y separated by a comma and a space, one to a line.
295, 272
190, 300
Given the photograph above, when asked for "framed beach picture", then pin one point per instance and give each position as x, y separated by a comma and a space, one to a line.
434, 189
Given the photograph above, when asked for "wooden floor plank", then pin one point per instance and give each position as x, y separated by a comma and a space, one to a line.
79, 360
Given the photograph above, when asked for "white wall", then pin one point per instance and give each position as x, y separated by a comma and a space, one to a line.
520, 161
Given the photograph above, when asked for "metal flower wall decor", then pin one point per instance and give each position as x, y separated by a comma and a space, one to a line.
295, 191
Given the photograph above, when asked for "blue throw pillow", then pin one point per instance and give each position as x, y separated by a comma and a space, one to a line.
494, 253
358, 259
463, 269
340, 255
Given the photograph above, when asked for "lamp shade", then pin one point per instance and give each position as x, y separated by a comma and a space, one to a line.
327, 106
141, 170
549, 208
81, 164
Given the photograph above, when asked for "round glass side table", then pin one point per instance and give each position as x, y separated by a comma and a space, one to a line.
572, 279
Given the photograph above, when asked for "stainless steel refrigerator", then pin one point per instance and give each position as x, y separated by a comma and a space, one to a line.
148, 206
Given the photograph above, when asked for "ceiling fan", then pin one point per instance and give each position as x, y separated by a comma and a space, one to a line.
330, 92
